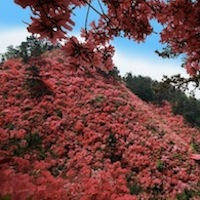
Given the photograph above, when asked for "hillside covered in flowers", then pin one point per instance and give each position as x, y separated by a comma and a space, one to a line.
70, 133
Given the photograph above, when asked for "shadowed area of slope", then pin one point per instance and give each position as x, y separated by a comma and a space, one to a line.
70, 133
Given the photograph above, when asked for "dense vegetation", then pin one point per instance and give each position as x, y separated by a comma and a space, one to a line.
69, 130
27, 49
63, 139
144, 87
158, 92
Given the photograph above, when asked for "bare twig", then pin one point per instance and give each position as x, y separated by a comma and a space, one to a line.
86, 19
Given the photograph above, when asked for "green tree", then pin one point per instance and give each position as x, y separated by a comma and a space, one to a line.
158, 92
11, 52
31, 47
141, 86
34, 47
190, 109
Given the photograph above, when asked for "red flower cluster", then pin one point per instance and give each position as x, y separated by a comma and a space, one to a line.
51, 18
87, 56
127, 18
90, 138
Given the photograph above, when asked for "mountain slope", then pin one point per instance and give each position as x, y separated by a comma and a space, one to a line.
69, 133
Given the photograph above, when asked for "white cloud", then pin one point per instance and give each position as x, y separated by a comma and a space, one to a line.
154, 68
12, 37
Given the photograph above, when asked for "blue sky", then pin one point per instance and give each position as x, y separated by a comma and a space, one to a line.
130, 56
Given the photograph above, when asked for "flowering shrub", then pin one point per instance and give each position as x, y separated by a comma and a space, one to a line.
91, 139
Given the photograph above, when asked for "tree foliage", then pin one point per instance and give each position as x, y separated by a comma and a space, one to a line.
141, 86
32, 47
128, 18
159, 92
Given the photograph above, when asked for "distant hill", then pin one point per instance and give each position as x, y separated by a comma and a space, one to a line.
159, 92
73, 134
